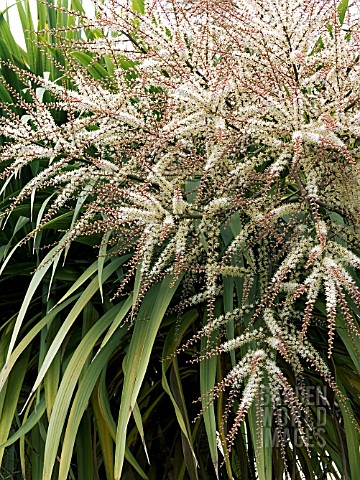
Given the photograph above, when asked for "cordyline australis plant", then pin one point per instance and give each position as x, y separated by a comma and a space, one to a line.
224, 145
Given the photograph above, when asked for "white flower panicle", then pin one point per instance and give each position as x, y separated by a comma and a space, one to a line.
224, 152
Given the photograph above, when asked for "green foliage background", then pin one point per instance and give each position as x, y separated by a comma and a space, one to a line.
121, 406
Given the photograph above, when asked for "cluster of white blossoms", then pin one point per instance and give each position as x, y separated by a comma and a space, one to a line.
228, 145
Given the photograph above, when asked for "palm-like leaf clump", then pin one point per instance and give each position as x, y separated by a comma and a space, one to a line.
223, 147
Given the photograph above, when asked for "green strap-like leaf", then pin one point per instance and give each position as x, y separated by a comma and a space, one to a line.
12, 398
172, 342
69, 381
152, 311
110, 424
208, 369
70, 319
80, 403
30, 422
138, 6
35, 282
94, 68
342, 9
105, 439
28, 339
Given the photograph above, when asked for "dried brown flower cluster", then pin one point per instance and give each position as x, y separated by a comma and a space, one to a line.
223, 143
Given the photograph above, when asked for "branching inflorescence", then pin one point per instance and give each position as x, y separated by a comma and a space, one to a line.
227, 145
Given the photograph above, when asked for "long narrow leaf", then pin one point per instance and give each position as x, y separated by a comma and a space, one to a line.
147, 324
